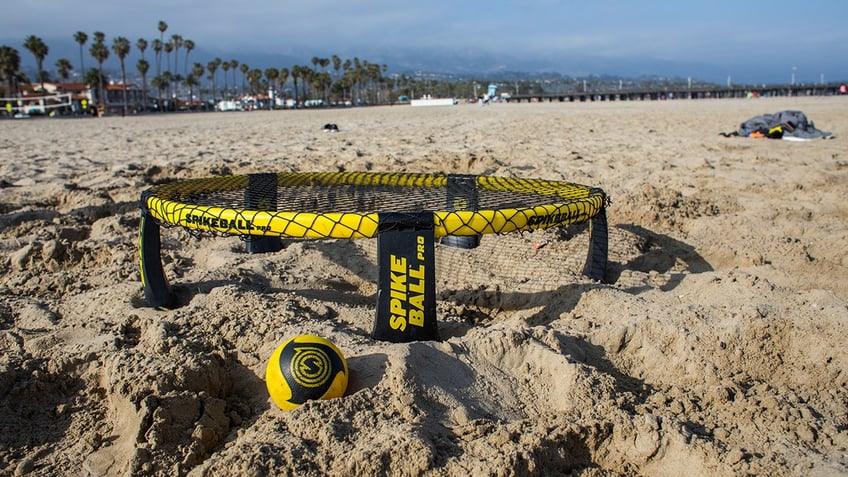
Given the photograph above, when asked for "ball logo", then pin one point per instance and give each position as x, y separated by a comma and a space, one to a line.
309, 369
460, 203
264, 204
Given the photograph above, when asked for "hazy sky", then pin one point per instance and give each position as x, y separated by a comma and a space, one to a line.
730, 37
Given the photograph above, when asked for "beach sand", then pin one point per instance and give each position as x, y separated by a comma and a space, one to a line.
718, 348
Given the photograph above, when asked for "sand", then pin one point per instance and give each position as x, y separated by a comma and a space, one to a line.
718, 348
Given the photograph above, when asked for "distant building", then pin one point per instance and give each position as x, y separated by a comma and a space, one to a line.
75, 97
115, 98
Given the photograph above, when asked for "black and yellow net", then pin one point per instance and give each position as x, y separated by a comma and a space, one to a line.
344, 205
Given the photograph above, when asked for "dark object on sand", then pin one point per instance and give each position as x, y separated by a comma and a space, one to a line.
789, 125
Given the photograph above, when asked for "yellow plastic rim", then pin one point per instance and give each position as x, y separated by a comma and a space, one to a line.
569, 203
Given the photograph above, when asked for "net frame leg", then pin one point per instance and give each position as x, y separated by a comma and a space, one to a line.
261, 194
406, 282
462, 195
157, 290
597, 256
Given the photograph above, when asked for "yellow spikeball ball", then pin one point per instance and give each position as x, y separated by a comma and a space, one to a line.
305, 367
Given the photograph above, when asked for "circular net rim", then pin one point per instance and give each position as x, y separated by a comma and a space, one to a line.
554, 204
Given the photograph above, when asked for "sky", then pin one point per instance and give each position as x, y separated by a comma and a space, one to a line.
753, 42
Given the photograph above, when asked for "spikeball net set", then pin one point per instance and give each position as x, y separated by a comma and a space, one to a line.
406, 212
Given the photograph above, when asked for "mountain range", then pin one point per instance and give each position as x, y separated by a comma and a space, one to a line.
468, 63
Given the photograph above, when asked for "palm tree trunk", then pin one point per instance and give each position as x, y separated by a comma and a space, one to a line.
124, 88
82, 64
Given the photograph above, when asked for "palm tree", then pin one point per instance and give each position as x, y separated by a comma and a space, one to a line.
191, 82
160, 82
81, 37
322, 81
177, 80
307, 74
189, 46
212, 67
100, 53
218, 62
92, 78
162, 28
295, 74
143, 67
282, 78
244, 69
63, 68
253, 78
337, 64
169, 47
197, 72
356, 78
165, 81
271, 75
324, 62
39, 50
233, 66
346, 67
365, 79
376, 73
141, 44
121, 48
345, 85
226, 67
177, 40
10, 64
157, 50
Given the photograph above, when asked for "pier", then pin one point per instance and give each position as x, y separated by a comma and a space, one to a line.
681, 92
